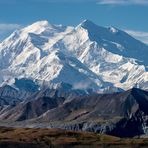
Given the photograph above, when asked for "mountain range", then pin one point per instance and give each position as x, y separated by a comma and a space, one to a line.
86, 56
88, 78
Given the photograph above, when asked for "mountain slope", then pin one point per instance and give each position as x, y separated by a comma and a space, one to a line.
50, 65
87, 57
94, 46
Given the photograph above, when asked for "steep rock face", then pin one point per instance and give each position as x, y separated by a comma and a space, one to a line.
12, 96
87, 56
116, 41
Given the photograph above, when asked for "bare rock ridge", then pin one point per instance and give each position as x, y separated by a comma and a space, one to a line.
121, 114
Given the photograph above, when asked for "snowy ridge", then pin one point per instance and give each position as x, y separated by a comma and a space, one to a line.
87, 57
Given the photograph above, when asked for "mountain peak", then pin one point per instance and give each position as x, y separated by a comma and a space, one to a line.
87, 23
37, 27
41, 23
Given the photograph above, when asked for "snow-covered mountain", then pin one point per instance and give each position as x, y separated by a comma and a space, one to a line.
87, 57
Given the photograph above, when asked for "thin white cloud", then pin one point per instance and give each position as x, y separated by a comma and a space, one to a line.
6, 29
101, 2
140, 35
9, 26
123, 2
43, 1
65, 1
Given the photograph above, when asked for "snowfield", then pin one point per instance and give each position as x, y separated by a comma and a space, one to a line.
86, 56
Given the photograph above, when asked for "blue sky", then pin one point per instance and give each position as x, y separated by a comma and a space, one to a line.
129, 15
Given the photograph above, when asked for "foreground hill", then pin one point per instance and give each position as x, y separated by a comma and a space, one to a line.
45, 138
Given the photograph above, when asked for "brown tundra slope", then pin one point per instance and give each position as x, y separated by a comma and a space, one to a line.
50, 138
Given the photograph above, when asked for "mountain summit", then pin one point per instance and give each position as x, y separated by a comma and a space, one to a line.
87, 57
